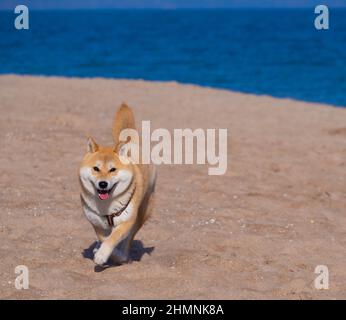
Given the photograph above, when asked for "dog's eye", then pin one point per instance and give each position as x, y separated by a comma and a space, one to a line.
96, 169
112, 170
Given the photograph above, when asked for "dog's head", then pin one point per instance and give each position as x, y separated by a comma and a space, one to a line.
103, 173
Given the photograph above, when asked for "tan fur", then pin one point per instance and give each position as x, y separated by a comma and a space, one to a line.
116, 241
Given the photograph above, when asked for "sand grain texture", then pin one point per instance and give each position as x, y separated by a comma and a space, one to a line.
257, 232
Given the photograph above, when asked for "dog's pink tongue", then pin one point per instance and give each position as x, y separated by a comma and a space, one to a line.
104, 196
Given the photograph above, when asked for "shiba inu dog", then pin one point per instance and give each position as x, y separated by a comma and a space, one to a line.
116, 195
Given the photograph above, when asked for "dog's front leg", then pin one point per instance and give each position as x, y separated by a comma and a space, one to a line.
118, 233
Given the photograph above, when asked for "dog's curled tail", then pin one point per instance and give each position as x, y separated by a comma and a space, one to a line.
124, 119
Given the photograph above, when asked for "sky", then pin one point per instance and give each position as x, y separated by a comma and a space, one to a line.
166, 4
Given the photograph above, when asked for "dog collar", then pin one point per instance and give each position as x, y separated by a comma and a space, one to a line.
118, 213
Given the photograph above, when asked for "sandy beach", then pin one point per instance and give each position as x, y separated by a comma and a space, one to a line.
257, 232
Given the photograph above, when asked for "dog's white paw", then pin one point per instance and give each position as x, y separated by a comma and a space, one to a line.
101, 256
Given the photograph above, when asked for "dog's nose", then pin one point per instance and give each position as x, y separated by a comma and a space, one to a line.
103, 184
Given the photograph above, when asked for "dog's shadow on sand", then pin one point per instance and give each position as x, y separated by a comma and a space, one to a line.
136, 253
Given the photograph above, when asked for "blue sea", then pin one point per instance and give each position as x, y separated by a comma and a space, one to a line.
273, 52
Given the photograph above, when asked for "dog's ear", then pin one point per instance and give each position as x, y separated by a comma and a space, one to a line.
92, 146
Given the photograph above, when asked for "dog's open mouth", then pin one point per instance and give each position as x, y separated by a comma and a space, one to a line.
104, 194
